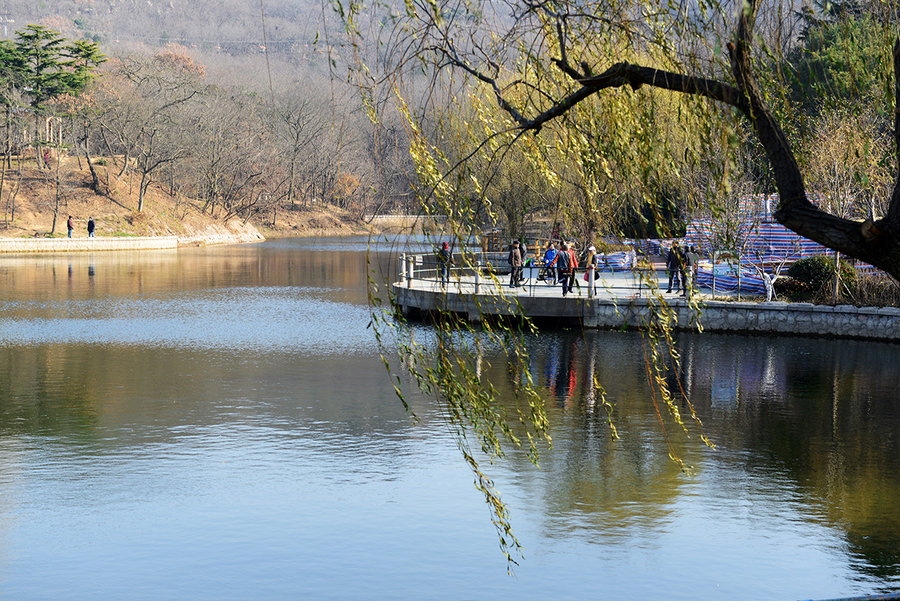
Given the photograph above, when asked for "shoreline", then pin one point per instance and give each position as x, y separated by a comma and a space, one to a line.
616, 306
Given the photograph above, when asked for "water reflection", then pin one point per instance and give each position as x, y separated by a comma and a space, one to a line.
819, 416
229, 404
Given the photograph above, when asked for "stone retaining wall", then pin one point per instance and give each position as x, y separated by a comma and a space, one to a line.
714, 316
776, 318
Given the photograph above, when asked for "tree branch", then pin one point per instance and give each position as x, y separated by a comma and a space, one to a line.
622, 74
893, 216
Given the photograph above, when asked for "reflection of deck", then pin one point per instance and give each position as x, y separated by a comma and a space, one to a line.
63, 245
620, 301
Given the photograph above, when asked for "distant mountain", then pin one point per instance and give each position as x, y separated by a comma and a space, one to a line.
228, 26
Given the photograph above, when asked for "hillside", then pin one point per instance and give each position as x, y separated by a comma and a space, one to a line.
28, 201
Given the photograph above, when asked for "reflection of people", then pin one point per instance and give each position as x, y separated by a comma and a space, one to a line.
70, 224
445, 259
561, 372
90, 227
515, 262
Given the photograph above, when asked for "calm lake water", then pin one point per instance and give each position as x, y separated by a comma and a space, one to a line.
216, 424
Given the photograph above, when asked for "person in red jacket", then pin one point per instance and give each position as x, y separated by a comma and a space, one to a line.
573, 265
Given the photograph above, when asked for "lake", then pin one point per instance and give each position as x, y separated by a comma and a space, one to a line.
216, 423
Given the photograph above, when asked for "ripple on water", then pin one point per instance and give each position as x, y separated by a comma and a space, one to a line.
283, 319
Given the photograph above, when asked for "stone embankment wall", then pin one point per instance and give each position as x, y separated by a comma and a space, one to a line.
713, 316
776, 318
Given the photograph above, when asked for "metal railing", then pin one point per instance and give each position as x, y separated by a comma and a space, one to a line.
480, 272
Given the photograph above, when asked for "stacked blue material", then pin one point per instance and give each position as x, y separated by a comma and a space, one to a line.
727, 280
766, 242
620, 261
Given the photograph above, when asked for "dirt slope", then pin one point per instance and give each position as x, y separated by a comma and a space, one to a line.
29, 198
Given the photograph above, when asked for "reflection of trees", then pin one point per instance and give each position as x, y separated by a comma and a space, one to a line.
130, 273
822, 412
43, 392
620, 487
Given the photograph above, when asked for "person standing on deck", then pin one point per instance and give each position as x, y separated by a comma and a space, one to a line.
573, 265
674, 267
523, 250
515, 262
590, 264
690, 271
550, 262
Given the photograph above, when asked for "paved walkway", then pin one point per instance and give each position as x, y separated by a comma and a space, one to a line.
610, 285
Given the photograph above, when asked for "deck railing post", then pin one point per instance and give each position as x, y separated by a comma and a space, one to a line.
590, 273
403, 267
410, 271
478, 276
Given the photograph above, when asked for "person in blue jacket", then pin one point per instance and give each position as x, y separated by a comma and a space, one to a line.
550, 262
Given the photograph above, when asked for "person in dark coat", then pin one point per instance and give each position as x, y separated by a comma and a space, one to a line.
515, 262
90, 227
674, 265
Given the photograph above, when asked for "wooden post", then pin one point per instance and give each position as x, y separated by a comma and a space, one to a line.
410, 271
478, 276
403, 267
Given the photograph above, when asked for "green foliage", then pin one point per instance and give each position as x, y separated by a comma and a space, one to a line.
42, 65
660, 219
811, 279
843, 61
813, 272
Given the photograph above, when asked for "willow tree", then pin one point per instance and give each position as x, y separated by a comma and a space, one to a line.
540, 61
629, 103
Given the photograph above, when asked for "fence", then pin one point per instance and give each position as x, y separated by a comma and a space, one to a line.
480, 271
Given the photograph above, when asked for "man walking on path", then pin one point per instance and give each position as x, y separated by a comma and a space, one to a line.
70, 224
90, 227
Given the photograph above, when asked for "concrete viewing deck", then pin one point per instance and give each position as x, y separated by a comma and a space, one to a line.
59, 245
621, 300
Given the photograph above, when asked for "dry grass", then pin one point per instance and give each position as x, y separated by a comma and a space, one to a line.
28, 200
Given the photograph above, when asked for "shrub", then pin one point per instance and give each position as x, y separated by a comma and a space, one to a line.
812, 272
792, 290
876, 290
812, 280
